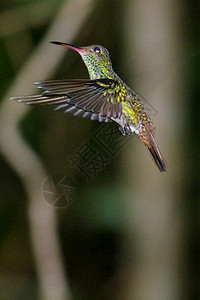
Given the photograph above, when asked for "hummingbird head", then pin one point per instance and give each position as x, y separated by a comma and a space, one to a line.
96, 59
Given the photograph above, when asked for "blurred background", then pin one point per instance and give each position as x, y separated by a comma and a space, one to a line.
84, 212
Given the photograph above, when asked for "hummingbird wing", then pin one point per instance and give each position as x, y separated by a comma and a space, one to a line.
98, 99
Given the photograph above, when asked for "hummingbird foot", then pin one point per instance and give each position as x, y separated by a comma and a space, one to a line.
128, 129
125, 130
121, 129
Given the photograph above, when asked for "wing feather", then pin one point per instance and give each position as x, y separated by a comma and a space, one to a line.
98, 99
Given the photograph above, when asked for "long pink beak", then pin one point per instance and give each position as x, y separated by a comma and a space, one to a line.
77, 49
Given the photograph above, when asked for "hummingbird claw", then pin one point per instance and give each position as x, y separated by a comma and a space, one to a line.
127, 129
121, 129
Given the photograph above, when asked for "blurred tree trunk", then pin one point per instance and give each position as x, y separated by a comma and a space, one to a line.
42, 219
152, 49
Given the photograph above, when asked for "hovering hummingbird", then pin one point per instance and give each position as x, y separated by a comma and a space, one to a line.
103, 97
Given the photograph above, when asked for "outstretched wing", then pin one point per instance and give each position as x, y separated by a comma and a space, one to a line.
98, 99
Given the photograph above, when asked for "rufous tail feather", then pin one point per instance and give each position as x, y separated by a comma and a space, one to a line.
148, 139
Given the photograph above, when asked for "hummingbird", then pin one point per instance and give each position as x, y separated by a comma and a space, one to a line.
103, 97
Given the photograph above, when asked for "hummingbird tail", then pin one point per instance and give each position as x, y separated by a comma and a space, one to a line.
148, 139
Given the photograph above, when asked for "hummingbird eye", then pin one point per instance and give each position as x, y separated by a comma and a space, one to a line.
97, 50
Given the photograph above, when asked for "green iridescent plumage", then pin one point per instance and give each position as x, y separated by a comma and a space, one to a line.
104, 97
